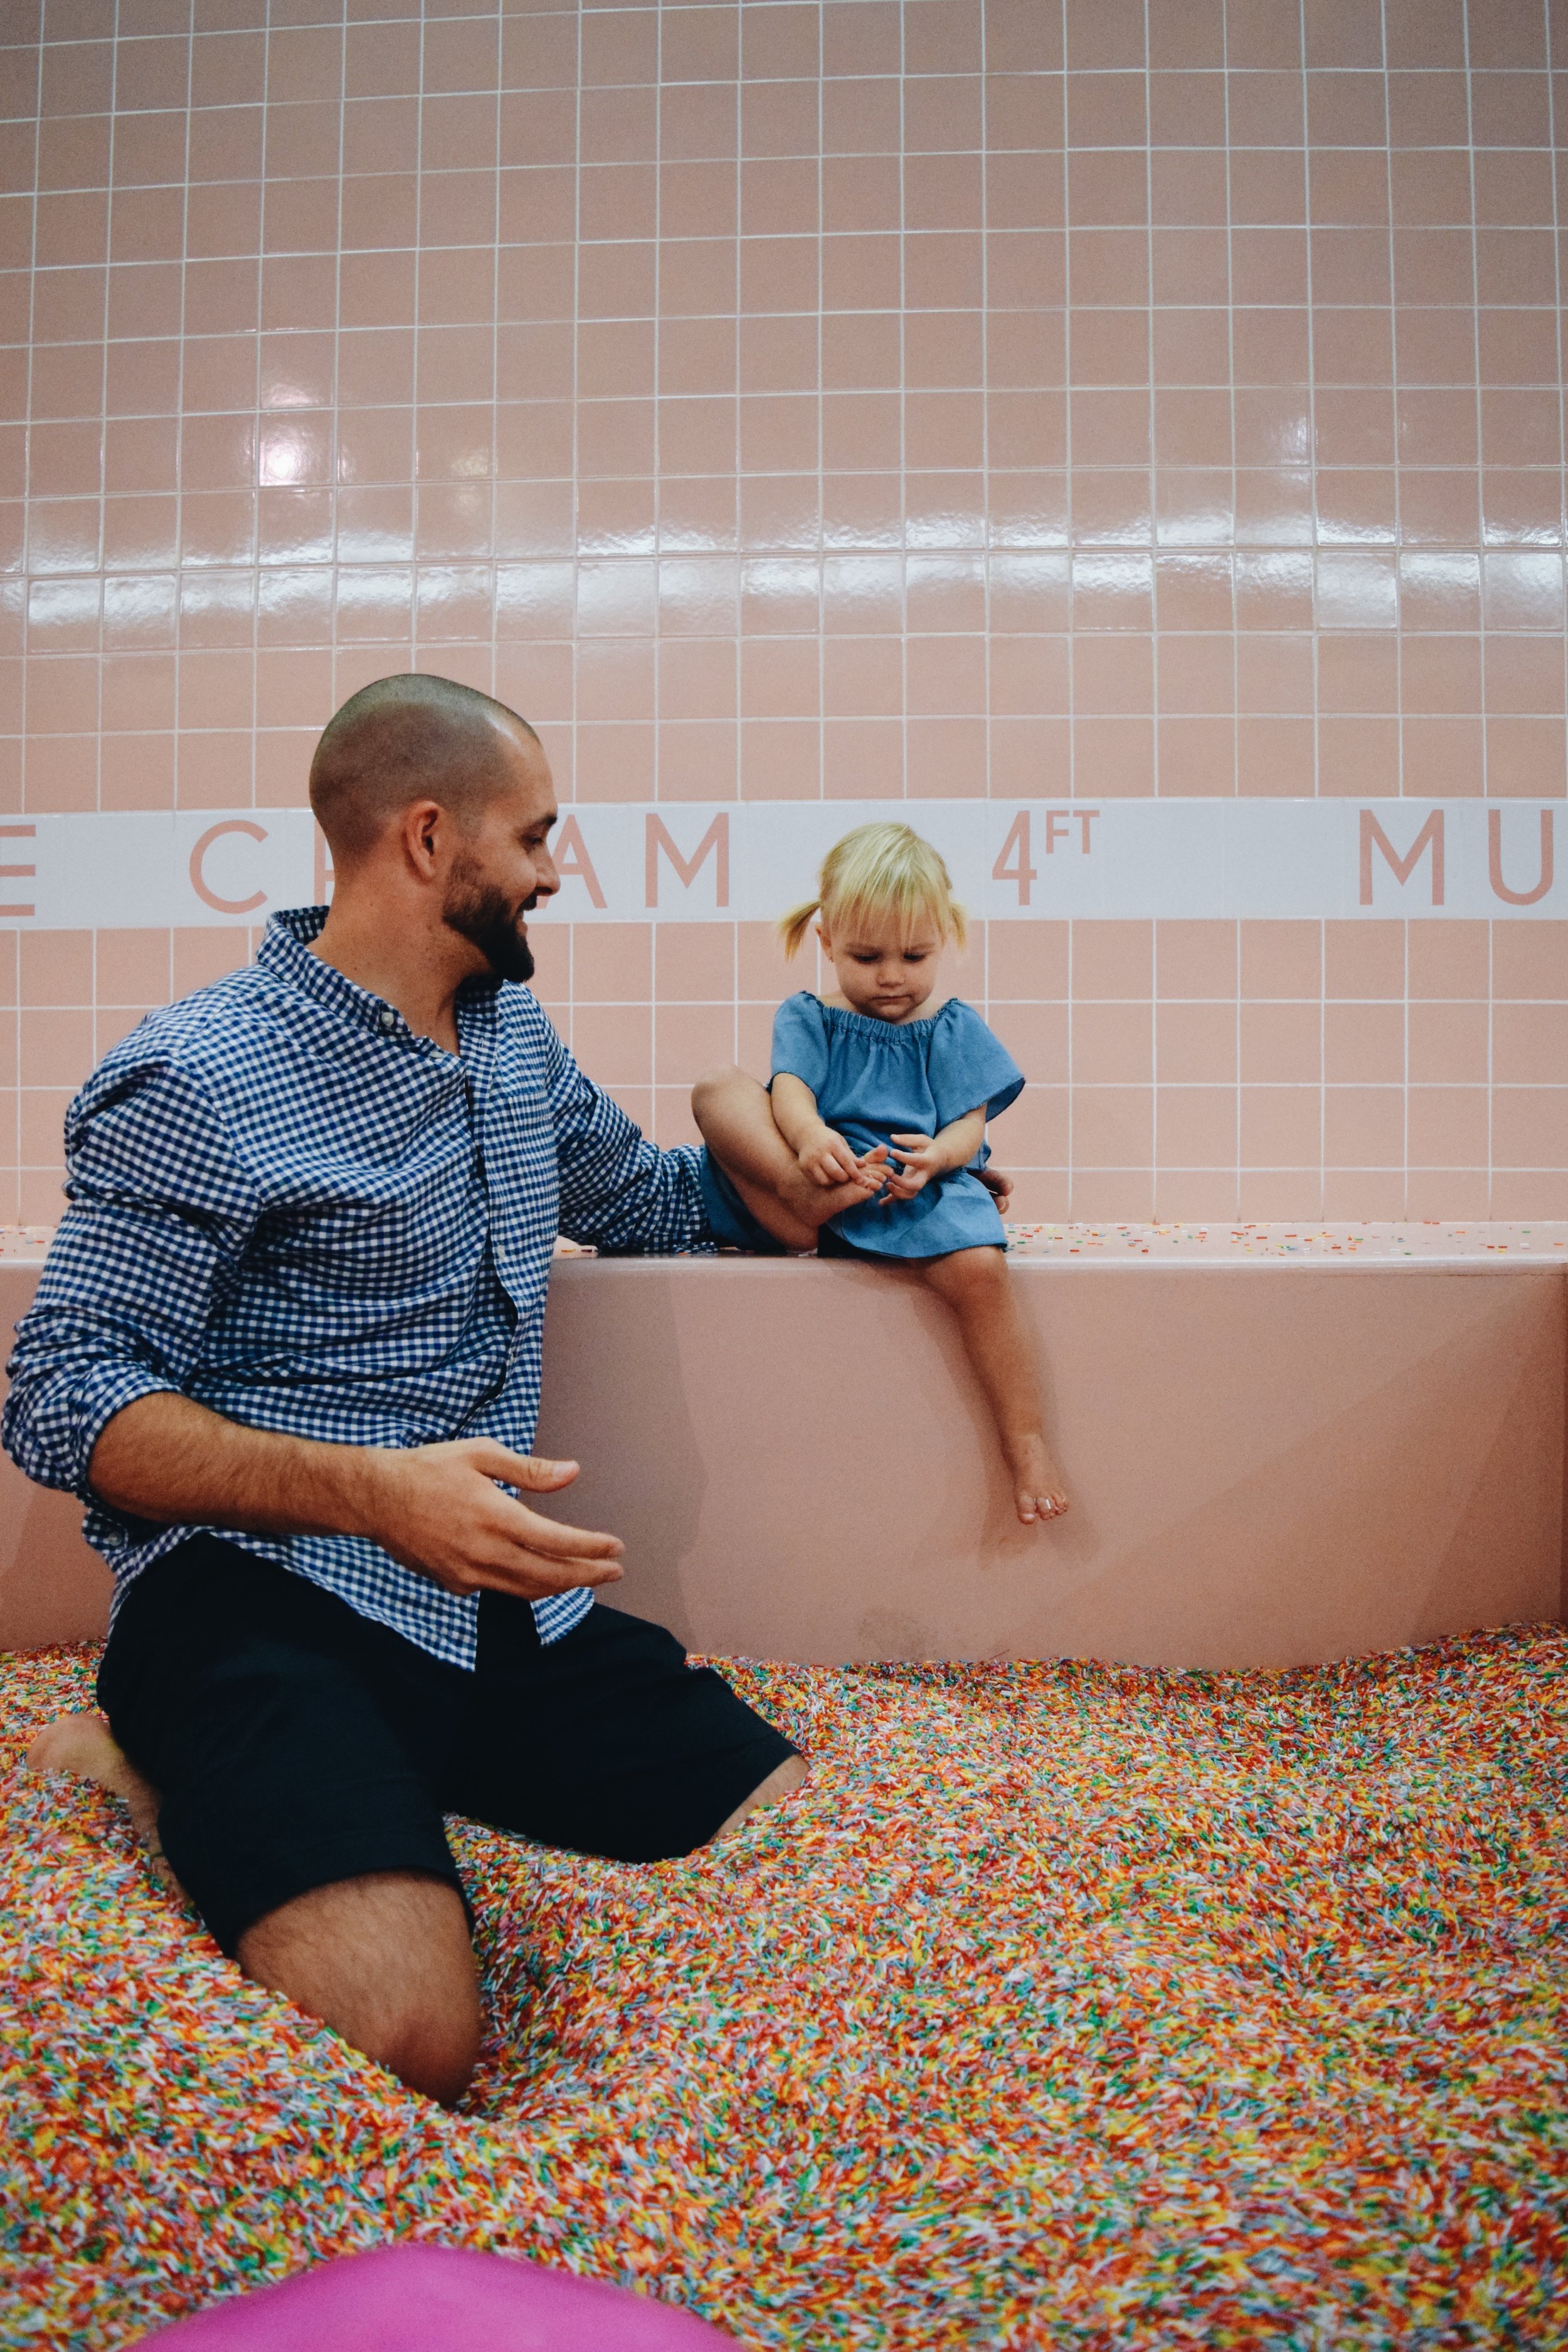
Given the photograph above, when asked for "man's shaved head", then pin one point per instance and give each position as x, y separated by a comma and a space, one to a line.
406, 739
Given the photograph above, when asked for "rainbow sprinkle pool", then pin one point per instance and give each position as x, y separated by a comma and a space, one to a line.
1069, 2006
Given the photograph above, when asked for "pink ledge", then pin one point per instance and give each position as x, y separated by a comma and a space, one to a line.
1284, 1444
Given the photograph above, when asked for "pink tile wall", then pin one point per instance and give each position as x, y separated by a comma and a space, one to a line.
797, 401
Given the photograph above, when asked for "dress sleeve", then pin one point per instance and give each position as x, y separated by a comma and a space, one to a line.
969, 1066
800, 1041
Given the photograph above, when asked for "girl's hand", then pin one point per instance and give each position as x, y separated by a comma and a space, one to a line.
920, 1159
827, 1159
872, 1169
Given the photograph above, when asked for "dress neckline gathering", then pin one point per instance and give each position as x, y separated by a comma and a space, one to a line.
869, 1023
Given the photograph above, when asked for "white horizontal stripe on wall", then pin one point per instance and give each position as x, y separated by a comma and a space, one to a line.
748, 861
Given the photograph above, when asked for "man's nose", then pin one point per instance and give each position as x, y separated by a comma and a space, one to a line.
546, 881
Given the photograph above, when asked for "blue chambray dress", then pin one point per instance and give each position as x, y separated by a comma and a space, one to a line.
875, 1079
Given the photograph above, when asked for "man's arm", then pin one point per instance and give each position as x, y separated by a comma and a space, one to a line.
618, 1191
436, 1509
161, 1213
161, 1210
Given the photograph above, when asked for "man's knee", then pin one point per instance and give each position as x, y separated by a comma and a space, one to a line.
385, 1961
435, 2056
782, 1781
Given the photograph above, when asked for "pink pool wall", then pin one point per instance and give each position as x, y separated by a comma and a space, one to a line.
1271, 1463
788, 404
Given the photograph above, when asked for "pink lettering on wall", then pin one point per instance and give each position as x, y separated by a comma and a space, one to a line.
1015, 849
1494, 861
1013, 860
1430, 836
18, 873
716, 839
572, 862
208, 897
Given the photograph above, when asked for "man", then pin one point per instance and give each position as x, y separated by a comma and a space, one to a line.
286, 1349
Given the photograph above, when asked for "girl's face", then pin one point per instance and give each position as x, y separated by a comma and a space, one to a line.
885, 968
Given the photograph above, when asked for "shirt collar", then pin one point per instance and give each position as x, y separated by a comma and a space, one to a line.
285, 952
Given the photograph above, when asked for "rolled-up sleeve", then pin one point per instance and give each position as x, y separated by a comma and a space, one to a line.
160, 1209
618, 1191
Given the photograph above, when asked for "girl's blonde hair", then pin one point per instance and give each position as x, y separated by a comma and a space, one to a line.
879, 869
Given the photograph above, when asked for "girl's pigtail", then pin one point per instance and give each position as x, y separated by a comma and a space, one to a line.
794, 926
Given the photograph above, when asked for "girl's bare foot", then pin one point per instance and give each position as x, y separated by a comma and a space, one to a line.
83, 1745
1040, 1490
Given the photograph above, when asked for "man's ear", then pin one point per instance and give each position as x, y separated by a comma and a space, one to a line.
420, 829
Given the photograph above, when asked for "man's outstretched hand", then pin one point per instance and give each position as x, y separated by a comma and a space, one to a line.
437, 1509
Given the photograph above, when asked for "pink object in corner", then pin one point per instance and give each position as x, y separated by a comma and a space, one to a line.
419, 2298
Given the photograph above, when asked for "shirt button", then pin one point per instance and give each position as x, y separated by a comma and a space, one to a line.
386, 1018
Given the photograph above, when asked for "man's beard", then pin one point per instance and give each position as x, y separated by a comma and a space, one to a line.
484, 915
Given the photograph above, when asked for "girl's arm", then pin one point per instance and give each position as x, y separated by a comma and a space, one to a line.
821, 1151
921, 1157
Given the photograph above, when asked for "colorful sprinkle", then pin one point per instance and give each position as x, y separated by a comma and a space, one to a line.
1070, 2006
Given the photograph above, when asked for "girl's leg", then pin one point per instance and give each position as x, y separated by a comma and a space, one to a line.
978, 1287
737, 1123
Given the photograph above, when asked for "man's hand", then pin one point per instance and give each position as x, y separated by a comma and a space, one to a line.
438, 1510
998, 1182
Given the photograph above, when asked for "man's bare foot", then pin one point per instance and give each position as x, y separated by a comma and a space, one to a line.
1040, 1489
83, 1745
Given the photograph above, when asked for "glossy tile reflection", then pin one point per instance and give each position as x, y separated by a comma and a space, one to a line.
956, 398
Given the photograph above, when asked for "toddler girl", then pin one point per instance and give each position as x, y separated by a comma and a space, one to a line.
869, 1138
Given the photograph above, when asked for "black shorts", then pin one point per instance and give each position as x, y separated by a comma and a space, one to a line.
294, 1743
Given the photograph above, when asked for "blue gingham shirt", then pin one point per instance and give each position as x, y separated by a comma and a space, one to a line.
288, 1206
